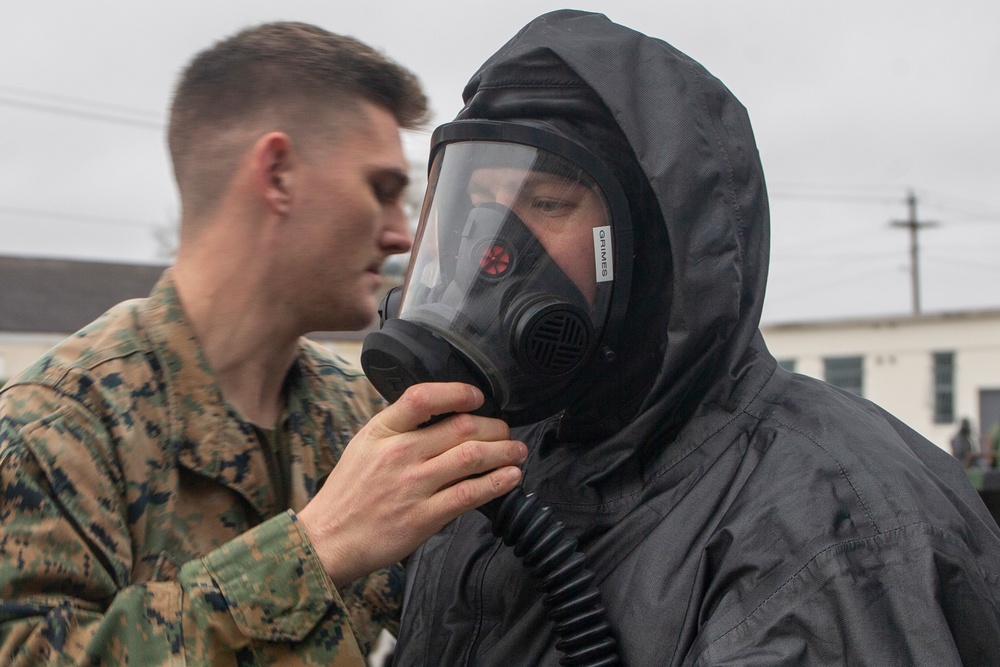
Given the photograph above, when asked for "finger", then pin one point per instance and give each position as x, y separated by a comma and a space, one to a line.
422, 401
472, 458
469, 494
448, 433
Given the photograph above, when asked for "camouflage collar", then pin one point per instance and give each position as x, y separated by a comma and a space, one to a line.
211, 438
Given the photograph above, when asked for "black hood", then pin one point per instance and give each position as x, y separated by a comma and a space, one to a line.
740, 514
683, 149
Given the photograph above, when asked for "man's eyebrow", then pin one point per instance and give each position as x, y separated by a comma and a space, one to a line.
476, 186
536, 179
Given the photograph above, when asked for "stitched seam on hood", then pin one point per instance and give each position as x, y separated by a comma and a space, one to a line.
514, 83
928, 530
840, 466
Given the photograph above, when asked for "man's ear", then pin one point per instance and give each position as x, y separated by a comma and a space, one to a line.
273, 171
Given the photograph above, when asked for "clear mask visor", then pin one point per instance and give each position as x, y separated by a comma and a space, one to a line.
505, 226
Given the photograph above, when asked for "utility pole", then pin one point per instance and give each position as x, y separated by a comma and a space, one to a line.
914, 225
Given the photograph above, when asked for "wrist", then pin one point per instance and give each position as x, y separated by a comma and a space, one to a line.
340, 564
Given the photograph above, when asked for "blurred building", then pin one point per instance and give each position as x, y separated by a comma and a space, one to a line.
42, 301
930, 371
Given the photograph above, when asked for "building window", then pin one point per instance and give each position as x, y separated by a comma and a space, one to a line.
787, 364
844, 372
944, 387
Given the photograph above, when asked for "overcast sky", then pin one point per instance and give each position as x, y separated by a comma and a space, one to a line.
853, 104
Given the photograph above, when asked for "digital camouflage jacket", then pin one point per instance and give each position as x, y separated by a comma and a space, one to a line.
138, 523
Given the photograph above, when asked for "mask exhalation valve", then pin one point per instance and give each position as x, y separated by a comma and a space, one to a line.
553, 336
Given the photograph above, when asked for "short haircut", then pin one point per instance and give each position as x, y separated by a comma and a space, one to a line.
285, 76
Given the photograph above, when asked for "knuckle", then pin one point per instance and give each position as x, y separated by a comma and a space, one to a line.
497, 483
502, 429
465, 495
514, 452
415, 397
463, 425
390, 454
408, 479
376, 428
471, 456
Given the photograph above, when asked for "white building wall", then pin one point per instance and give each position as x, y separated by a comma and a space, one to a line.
897, 359
898, 363
17, 351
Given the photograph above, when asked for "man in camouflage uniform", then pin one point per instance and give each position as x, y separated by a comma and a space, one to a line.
177, 485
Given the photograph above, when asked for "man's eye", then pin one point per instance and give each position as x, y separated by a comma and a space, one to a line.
387, 193
551, 206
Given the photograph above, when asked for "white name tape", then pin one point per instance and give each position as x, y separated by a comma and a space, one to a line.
604, 262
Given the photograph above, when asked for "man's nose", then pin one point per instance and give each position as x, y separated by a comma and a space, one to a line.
505, 198
396, 236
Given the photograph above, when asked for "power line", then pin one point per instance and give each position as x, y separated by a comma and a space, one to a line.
843, 199
854, 187
78, 101
81, 113
977, 211
827, 241
835, 192
963, 262
830, 257
826, 283
76, 217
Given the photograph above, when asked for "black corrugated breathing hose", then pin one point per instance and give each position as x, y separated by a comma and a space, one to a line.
572, 601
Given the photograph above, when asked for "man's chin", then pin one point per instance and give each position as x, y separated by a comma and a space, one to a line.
360, 319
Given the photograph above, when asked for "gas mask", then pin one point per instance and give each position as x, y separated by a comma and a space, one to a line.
520, 269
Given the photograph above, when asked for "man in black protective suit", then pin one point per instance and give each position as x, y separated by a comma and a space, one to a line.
732, 513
